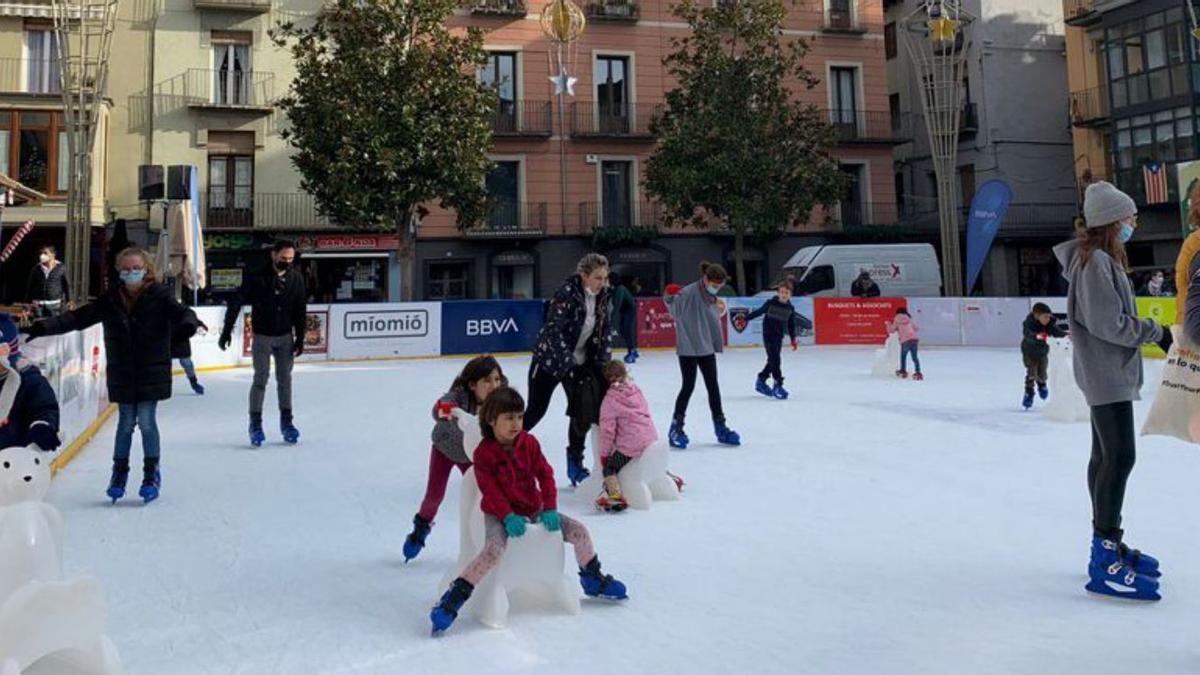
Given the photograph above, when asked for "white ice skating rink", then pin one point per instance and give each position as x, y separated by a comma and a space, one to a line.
864, 526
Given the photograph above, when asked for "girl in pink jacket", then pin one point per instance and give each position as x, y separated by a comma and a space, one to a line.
626, 430
906, 328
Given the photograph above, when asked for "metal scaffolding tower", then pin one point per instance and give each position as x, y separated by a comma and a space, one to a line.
937, 38
84, 31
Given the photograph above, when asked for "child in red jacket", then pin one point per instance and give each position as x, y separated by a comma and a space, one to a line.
518, 488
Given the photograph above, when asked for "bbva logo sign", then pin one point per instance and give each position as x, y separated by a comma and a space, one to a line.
481, 327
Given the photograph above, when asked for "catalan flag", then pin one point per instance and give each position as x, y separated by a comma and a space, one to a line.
1155, 176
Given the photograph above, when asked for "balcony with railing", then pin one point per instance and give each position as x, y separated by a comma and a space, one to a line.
1080, 13
234, 5
1089, 107
628, 121
497, 7
507, 218
870, 126
840, 19
29, 76
224, 210
613, 10
645, 216
230, 90
522, 119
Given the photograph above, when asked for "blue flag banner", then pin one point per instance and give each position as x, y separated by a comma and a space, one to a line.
987, 212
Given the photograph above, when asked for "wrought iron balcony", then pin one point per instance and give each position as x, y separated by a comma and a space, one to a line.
522, 119
848, 214
498, 7
507, 218
236, 90
234, 5
644, 216
224, 210
1089, 107
630, 121
869, 126
613, 10
842, 20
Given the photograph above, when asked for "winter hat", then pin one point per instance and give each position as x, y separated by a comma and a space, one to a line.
1104, 204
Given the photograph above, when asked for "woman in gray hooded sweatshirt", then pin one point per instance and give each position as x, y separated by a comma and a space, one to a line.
1107, 336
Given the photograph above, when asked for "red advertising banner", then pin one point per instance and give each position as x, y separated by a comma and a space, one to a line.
854, 321
656, 328
350, 242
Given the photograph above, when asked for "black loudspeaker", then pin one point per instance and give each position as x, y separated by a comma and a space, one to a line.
150, 182
179, 182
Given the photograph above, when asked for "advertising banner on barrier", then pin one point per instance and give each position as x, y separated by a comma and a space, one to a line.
743, 332
939, 320
993, 322
853, 321
316, 335
485, 326
74, 365
655, 327
376, 330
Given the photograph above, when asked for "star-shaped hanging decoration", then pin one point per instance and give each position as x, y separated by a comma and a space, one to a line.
563, 83
1196, 33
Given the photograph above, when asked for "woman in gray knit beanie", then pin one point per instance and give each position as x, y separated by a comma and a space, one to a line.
1107, 336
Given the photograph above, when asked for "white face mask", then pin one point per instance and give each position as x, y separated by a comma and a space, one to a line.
45, 258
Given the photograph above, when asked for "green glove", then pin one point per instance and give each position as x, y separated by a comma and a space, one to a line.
551, 520
514, 525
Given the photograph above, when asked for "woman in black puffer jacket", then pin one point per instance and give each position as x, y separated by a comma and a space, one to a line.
139, 318
571, 349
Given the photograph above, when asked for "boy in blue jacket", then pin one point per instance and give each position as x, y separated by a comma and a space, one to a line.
778, 315
28, 405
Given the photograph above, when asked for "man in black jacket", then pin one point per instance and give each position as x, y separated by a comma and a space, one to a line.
48, 289
278, 318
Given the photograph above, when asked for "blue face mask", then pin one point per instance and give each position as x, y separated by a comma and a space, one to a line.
1126, 232
133, 277
712, 290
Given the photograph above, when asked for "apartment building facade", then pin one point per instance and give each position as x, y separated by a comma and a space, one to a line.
1011, 127
1134, 78
33, 142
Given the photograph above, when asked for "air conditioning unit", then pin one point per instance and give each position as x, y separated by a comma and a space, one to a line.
591, 159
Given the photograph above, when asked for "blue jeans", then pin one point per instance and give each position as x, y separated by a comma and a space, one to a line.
189, 368
132, 415
907, 348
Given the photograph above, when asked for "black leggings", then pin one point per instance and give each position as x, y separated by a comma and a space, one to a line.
541, 388
628, 330
1113, 455
774, 365
708, 368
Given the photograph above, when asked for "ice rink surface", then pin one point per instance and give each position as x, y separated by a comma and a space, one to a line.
865, 526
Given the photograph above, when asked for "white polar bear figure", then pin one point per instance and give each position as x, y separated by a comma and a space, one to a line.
48, 625
1066, 403
532, 566
887, 359
643, 480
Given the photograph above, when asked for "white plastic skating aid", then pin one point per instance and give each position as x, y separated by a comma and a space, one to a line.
532, 568
643, 480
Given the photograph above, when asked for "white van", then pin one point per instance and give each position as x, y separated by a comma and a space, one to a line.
900, 270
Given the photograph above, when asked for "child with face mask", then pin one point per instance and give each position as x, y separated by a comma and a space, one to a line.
699, 338
139, 317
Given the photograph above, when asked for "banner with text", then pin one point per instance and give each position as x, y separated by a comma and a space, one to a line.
360, 331
490, 326
842, 321
743, 332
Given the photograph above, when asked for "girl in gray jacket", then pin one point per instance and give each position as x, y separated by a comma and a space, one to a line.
698, 340
1107, 335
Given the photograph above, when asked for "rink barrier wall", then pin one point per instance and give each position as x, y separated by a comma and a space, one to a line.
75, 364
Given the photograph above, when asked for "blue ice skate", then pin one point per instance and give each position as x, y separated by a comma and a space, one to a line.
291, 434
151, 481
257, 437
725, 435
1027, 402
1142, 563
120, 476
446, 611
1110, 575
576, 472
598, 585
1043, 391
779, 392
631, 357
415, 541
676, 437
761, 386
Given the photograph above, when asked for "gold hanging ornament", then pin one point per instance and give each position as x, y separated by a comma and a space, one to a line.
563, 24
942, 29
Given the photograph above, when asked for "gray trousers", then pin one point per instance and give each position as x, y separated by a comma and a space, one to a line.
264, 348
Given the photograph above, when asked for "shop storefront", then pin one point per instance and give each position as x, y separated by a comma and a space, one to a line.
512, 276
646, 270
350, 268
